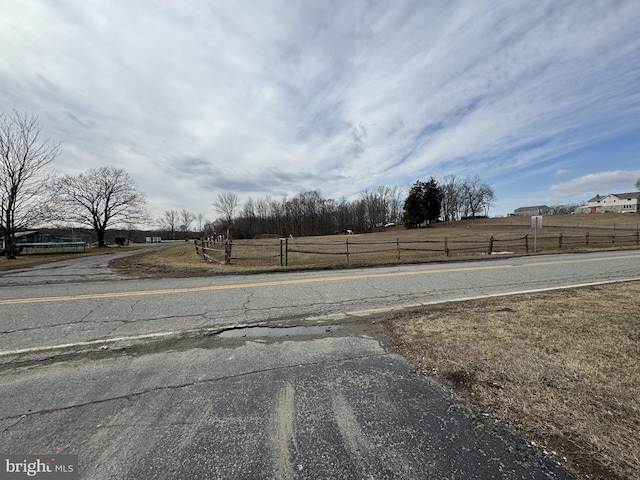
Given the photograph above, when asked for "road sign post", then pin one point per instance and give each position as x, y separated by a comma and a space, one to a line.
536, 223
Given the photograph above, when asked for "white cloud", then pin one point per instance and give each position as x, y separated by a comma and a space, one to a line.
592, 184
275, 97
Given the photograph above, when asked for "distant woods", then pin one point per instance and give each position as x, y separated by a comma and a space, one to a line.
309, 213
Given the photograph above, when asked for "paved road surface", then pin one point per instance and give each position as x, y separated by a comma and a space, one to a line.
330, 405
36, 316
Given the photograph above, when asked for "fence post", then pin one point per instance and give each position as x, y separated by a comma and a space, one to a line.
281, 249
347, 243
560, 241
446, 246
526, 243
613, 240
201, 251
491, 245
637, 238
286, 252
227, 251
398, 247
586, 239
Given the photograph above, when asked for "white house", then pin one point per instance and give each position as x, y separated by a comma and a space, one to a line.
614, 202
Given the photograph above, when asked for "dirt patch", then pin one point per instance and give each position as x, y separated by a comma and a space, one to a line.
561, 367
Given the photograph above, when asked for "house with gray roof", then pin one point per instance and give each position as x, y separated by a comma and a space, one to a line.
535, 210
614, 202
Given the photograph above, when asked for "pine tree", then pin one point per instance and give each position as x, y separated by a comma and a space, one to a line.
423, 203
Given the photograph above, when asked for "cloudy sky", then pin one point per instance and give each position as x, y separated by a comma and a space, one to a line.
541, 99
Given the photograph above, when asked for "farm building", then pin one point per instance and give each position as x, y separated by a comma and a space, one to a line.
614, 202
36, 239
536, 210
21, 237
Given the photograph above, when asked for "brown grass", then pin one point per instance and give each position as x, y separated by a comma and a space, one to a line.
465, 239
562, 367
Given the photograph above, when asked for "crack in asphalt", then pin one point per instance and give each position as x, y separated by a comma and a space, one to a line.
247, 301
64, 324
130, 396
103, 321
18, 420
132, 307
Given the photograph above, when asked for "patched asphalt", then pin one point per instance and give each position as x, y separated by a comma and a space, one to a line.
324, 403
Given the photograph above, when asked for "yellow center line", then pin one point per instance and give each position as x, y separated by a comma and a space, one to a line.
168, 291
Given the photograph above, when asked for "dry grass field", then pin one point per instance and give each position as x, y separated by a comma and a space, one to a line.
464, 240
561, 367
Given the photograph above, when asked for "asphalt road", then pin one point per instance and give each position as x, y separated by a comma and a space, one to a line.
328, 406
159, 379
39, 316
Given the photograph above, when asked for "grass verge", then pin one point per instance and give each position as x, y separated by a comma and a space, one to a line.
563, 368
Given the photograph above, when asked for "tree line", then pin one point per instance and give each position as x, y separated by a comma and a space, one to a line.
310, 213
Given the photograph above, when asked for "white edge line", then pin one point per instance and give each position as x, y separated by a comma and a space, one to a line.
323, 318
105, 341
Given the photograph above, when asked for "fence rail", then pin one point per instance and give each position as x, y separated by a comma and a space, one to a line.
209, 249
410, 250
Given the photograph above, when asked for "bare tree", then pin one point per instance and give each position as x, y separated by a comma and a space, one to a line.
376, 205
24, 180
474, 196
488, 198
451, 197
396, 204
200, 222
186, 219
101, 198
169, 221
638, 184
226, 203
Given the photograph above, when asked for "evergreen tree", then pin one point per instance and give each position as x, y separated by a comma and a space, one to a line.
423, 203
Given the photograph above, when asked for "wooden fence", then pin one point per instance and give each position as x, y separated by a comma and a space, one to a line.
209, 250
404, 250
